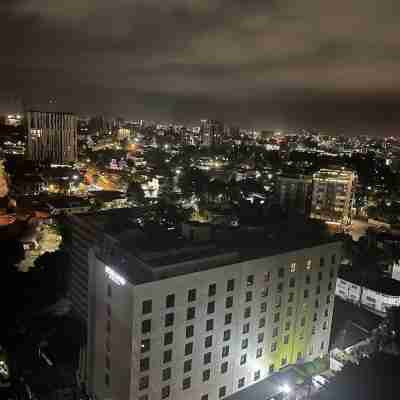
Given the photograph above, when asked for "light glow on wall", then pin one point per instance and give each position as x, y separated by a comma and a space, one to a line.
115, 277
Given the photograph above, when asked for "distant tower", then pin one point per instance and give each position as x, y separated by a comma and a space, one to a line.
51, 136
211, 132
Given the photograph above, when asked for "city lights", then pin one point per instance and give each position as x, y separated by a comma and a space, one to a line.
115, 277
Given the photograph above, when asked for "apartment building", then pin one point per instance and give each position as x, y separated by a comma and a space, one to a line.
177, 319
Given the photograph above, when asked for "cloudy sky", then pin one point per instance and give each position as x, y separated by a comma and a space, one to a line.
261, 63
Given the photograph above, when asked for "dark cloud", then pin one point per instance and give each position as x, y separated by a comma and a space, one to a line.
260, 63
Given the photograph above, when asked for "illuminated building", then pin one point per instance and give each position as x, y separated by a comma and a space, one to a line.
211, 132
51, 136
333, 194
191, 318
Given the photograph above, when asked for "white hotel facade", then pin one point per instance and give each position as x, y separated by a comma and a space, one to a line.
200, 322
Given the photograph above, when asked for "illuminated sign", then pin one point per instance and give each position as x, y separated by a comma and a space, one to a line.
113, 276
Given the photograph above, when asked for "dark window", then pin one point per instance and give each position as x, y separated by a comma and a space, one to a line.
109, 310
109, 292
276, 317
257, 375
167, 356
208, 341
168, 338
212, 289
275, 332
320, 276
321, 262
245, 343
249, 296
280, 287
169, 319
211, 307
146, 326
259, 352
170, 301
315, 317
250, 280
289, 311
143, 382
146, 307
246, 328
107, 379
299, 356
187, 366
108, 326
206, 375
188, 348
267, 276
322, 345
281, 273
292, 282
189, 331
186, 383
316, 303
191, 295
144, 364
326, 312
330, 286
243, 359
108, 363
241, 382
230, 286
224, 367
318, 290
263, 307
209, 325
228, 318
247, 312
287, 326
166, 374
190, 313
264, 292
229, 302
271, 368
306, 293
260, 337
331, 273
286, 339
207, 358
333, 259
204, 397
227, 335
222, 391
145, 345
225, 351
303, 321
324, 326
284, 361
291, 297
261, 323
165, 391
308, 279
328, 299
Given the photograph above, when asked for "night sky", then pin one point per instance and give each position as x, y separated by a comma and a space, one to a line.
331, 64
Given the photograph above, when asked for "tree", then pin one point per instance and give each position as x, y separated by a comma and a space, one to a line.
135, 192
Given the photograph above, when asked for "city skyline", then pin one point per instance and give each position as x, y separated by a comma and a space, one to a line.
271, 65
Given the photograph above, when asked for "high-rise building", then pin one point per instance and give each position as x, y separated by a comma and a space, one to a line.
211, 132
201, 319
51, 136
333, 195
295, 193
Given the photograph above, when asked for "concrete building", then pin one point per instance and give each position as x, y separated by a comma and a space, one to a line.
51, 136
211, 132
333, 193
295, 193
203, 316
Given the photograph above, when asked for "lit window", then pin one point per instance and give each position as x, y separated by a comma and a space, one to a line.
293, 267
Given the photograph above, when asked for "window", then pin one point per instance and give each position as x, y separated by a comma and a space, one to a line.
264, 292
228, 318
293, 267
167, 357
324, 326
308, 279
206, 375
108, 326
165, 391
209, 325
243, 359
146, 326
333, 259
222, 391
316, 303
292, 282
299, 356
271, 368
287, 326
328, 299
230, 285
306, 293
263, 307
188, 348
308, 265
322, 345
225, 351
281, 273
168, 338
331, 273
208, 341
261, 322
279, 288
108, 310
276, 317
187, 366
146, 307
108, 362
257, 375
267, 276
229, 302
250, 280
321, 262
245, 343
311, 350
246, 328
286, 339
189, 331
330, 286
249, 296
144, 382
207, 358
320, 276
212, 289
109, 293
224, 367
313, 330
190, 313
315, 317
247, 312
227, 335
186, 383
191, 295
278, 300
144, 364
144, 397
241, 382
145, 345
260, 337
211, 307
284, 361
166, 374
303, 321
318, 290
204, 397
291, 297
326, 312
273, 347
275, 332
259, 352
170, 301
169, 319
